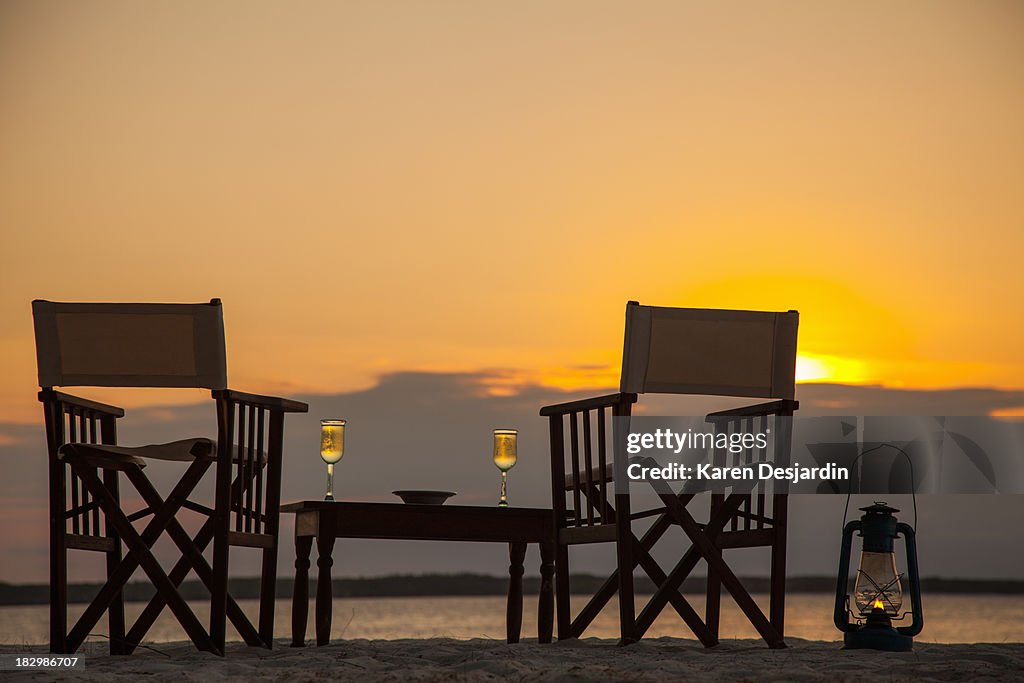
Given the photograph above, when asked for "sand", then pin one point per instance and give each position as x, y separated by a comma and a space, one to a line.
584, 660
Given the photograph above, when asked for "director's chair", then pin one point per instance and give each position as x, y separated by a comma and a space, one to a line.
749, 354
154, 345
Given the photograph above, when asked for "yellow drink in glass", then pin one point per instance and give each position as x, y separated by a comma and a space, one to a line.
505, 455
332, 449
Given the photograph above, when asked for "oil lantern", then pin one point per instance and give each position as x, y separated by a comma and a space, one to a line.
878, 590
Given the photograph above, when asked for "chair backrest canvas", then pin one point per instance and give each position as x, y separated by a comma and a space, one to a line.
130, 345
709, 351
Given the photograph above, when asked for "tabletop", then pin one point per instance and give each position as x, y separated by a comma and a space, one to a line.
344, 519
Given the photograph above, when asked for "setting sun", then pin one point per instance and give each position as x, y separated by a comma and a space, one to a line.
815, 368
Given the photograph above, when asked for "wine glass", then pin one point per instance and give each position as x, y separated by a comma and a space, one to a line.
332, 449
505, 458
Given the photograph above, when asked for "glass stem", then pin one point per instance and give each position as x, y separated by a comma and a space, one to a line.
503, 501
330, 482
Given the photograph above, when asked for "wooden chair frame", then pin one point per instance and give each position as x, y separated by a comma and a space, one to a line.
592, 519
246, 513
677, 351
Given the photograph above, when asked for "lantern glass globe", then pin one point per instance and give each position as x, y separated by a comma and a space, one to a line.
878, 584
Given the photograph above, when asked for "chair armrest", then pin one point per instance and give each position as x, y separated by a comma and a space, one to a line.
587, 404
272, 402
49, 395
783, 407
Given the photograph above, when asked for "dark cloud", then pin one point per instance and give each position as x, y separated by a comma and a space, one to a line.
432, 430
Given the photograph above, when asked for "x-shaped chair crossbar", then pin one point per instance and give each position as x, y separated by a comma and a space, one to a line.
189, 560
140, 545
641, 557
703, 547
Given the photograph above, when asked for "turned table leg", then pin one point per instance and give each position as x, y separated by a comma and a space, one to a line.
300, 592
324, 598
546, 600
514, 608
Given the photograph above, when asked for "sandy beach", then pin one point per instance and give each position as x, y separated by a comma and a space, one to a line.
590, 659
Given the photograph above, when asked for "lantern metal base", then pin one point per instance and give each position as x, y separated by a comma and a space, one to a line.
872, 637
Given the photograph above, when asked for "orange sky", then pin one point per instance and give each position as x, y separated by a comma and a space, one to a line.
382, 186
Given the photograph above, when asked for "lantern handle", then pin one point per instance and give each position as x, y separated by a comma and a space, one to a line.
840, 617
913, 488
910, 540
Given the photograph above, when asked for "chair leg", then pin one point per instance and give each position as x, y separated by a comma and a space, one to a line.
563, 616
58, 559
546, 599
268, 595
115, 613
223, 497
713, 603
777, 603
627, 607
58, 579
777, 600
624, 556
219, 580
713, 593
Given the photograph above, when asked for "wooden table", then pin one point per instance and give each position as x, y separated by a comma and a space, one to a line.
326, 521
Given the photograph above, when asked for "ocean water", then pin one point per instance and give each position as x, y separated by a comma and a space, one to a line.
948, 619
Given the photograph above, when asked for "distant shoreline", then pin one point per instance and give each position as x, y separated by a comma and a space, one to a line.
470, 584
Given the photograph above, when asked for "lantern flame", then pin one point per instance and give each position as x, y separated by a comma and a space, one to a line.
877, 604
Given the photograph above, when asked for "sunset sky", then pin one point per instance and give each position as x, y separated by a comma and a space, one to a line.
374, 187
432, 214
